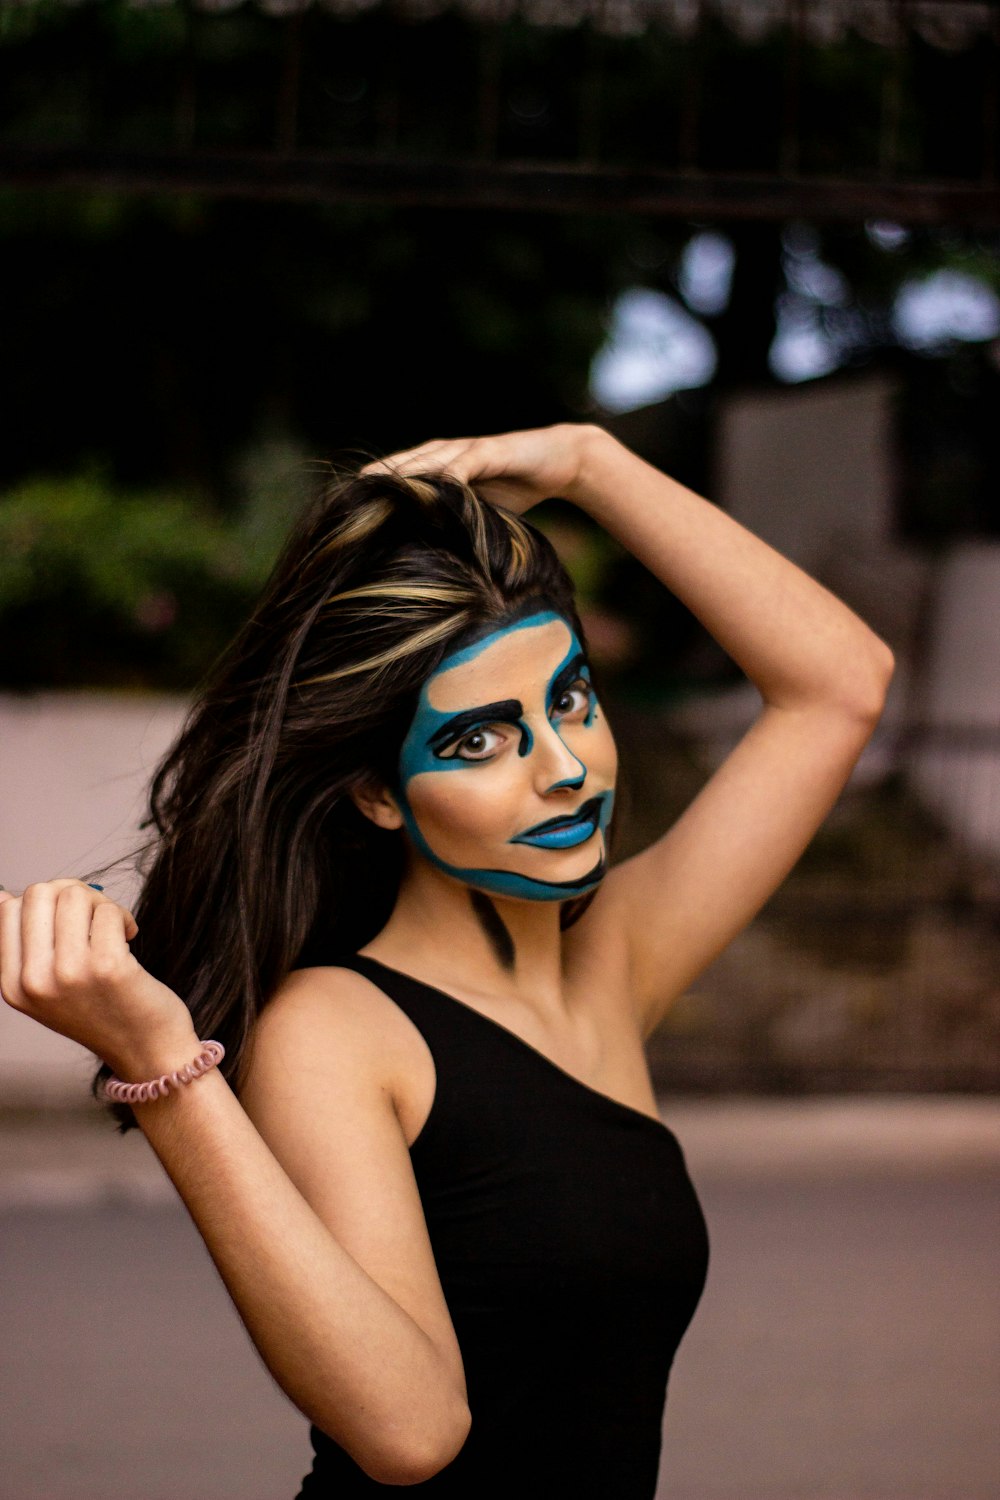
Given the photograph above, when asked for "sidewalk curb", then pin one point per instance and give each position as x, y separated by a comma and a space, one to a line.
71, 1160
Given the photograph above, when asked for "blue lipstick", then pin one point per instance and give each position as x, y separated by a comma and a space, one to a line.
563, 833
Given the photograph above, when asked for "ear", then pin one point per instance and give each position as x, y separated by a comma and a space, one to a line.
377, 803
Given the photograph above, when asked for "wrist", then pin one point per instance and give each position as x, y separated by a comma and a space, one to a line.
144, 1091
598, 455
155, 1053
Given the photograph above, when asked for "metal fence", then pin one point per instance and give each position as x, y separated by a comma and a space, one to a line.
572, 105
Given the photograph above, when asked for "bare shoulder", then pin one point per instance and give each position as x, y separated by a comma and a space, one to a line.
329, 995
331, 1036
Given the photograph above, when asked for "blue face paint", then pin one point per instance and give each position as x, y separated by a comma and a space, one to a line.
564, 833
432, 731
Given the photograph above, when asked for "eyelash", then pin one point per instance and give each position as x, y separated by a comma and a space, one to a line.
580, 685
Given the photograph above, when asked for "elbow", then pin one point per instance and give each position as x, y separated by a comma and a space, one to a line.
875, 671
884, 662
424, 1453
858, 691
425, 1459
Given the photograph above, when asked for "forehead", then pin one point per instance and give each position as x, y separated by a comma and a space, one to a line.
514, 661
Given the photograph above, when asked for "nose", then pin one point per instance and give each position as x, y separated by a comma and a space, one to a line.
556, 766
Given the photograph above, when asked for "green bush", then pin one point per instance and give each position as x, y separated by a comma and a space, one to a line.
102, 588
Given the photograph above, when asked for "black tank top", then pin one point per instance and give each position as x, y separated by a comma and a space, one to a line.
572, 1252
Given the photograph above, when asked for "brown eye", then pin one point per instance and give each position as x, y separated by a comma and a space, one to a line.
581, 689
476, 745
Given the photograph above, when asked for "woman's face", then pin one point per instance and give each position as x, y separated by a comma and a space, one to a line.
508, 739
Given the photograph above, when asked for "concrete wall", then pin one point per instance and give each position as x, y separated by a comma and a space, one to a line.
73, 771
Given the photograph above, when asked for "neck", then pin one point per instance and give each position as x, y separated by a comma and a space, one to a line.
489, 944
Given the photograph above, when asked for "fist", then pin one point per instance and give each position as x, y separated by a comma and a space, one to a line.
65, 961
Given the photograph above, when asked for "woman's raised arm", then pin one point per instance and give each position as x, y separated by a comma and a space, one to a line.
822, 675
821, 672
369, 1355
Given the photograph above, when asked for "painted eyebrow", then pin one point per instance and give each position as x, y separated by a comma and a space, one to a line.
507, 709
570, 672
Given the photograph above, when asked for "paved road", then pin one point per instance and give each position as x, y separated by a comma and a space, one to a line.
848, 1346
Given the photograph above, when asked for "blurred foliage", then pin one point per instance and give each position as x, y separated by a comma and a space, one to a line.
161, 338
216, 351
193, 357
177, 332
101, 587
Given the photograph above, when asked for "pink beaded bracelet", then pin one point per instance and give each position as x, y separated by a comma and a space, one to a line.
154, 1088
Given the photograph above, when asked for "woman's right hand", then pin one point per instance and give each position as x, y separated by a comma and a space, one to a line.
65, 961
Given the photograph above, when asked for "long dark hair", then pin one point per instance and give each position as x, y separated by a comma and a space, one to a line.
258, 843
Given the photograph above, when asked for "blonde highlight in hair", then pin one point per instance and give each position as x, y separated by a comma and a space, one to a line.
519, 542
436, 593
373, 664
259, 854
354, 528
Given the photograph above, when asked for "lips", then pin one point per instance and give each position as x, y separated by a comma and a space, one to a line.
586, 813
585, 817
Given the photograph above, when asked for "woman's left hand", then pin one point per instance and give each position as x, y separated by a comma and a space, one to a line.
66, 963
514, 469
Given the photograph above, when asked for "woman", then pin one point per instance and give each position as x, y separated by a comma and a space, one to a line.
436, 1186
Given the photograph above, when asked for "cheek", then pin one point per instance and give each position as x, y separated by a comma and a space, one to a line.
606, 752
468, 806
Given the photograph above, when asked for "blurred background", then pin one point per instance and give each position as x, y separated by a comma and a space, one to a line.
757, 239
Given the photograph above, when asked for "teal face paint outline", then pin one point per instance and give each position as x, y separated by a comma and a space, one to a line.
430, 727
